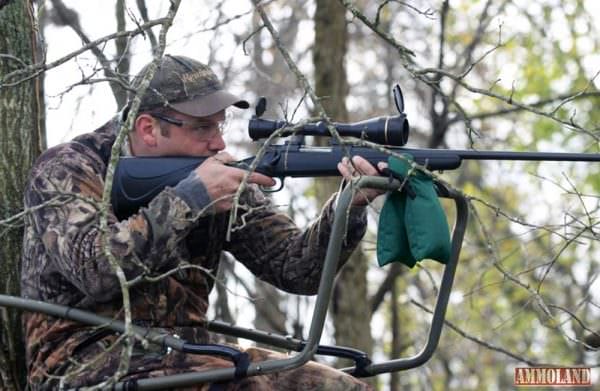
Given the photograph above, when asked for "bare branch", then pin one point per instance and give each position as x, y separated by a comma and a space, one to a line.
32, 71
104, 211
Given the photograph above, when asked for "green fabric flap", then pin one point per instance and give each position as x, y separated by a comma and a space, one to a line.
412, 224
392, 239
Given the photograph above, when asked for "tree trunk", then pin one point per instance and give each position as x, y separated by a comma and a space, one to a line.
351, 314
21, 141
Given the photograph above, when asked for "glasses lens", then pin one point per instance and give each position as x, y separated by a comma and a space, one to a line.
205, 130
208, 129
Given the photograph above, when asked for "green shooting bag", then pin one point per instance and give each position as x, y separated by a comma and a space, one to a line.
412, 224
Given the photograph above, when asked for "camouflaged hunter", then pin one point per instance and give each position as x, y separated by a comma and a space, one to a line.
63, 262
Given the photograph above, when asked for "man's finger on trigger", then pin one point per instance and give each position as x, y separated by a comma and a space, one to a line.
261, 179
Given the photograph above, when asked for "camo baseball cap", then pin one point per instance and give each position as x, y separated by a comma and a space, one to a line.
187, 86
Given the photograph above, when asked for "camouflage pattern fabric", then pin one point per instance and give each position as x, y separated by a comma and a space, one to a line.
63, 263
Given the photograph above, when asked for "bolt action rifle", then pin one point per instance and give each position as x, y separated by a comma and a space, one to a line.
138, 180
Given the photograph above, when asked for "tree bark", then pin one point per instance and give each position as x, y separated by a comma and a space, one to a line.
351, 311
21, 141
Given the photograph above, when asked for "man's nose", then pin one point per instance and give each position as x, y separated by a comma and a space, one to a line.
217, 143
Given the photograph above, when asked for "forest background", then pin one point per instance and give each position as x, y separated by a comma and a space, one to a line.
489, 75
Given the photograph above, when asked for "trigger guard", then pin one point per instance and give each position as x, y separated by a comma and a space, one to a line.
273, 189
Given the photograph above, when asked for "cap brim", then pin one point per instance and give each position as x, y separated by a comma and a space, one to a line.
209, 104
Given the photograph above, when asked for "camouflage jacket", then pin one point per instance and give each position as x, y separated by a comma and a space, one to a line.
63, 260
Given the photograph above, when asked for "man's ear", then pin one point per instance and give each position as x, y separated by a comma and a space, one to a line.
145, 131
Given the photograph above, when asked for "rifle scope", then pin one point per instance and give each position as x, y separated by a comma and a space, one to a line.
381, 130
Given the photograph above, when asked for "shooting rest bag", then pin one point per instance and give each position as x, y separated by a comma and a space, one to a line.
412, 224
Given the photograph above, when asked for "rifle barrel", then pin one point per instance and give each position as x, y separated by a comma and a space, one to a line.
450, 159
528, 156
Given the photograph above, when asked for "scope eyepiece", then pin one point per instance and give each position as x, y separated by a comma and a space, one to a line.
392, 130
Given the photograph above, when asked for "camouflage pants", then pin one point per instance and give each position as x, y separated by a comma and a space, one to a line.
311, 376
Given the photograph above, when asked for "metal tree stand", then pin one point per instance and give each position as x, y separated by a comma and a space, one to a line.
306, 349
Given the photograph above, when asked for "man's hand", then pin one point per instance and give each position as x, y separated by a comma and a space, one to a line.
360, 166
222, 181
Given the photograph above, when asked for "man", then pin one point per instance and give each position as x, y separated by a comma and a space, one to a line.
181, 114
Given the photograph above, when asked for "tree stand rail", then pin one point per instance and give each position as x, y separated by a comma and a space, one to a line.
306, 349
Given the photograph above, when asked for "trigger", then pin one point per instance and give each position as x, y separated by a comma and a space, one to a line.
273, 189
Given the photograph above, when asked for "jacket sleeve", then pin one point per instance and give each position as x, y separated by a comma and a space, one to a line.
270, 245
63, 198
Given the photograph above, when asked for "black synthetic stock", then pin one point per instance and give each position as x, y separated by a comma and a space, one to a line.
138, 180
